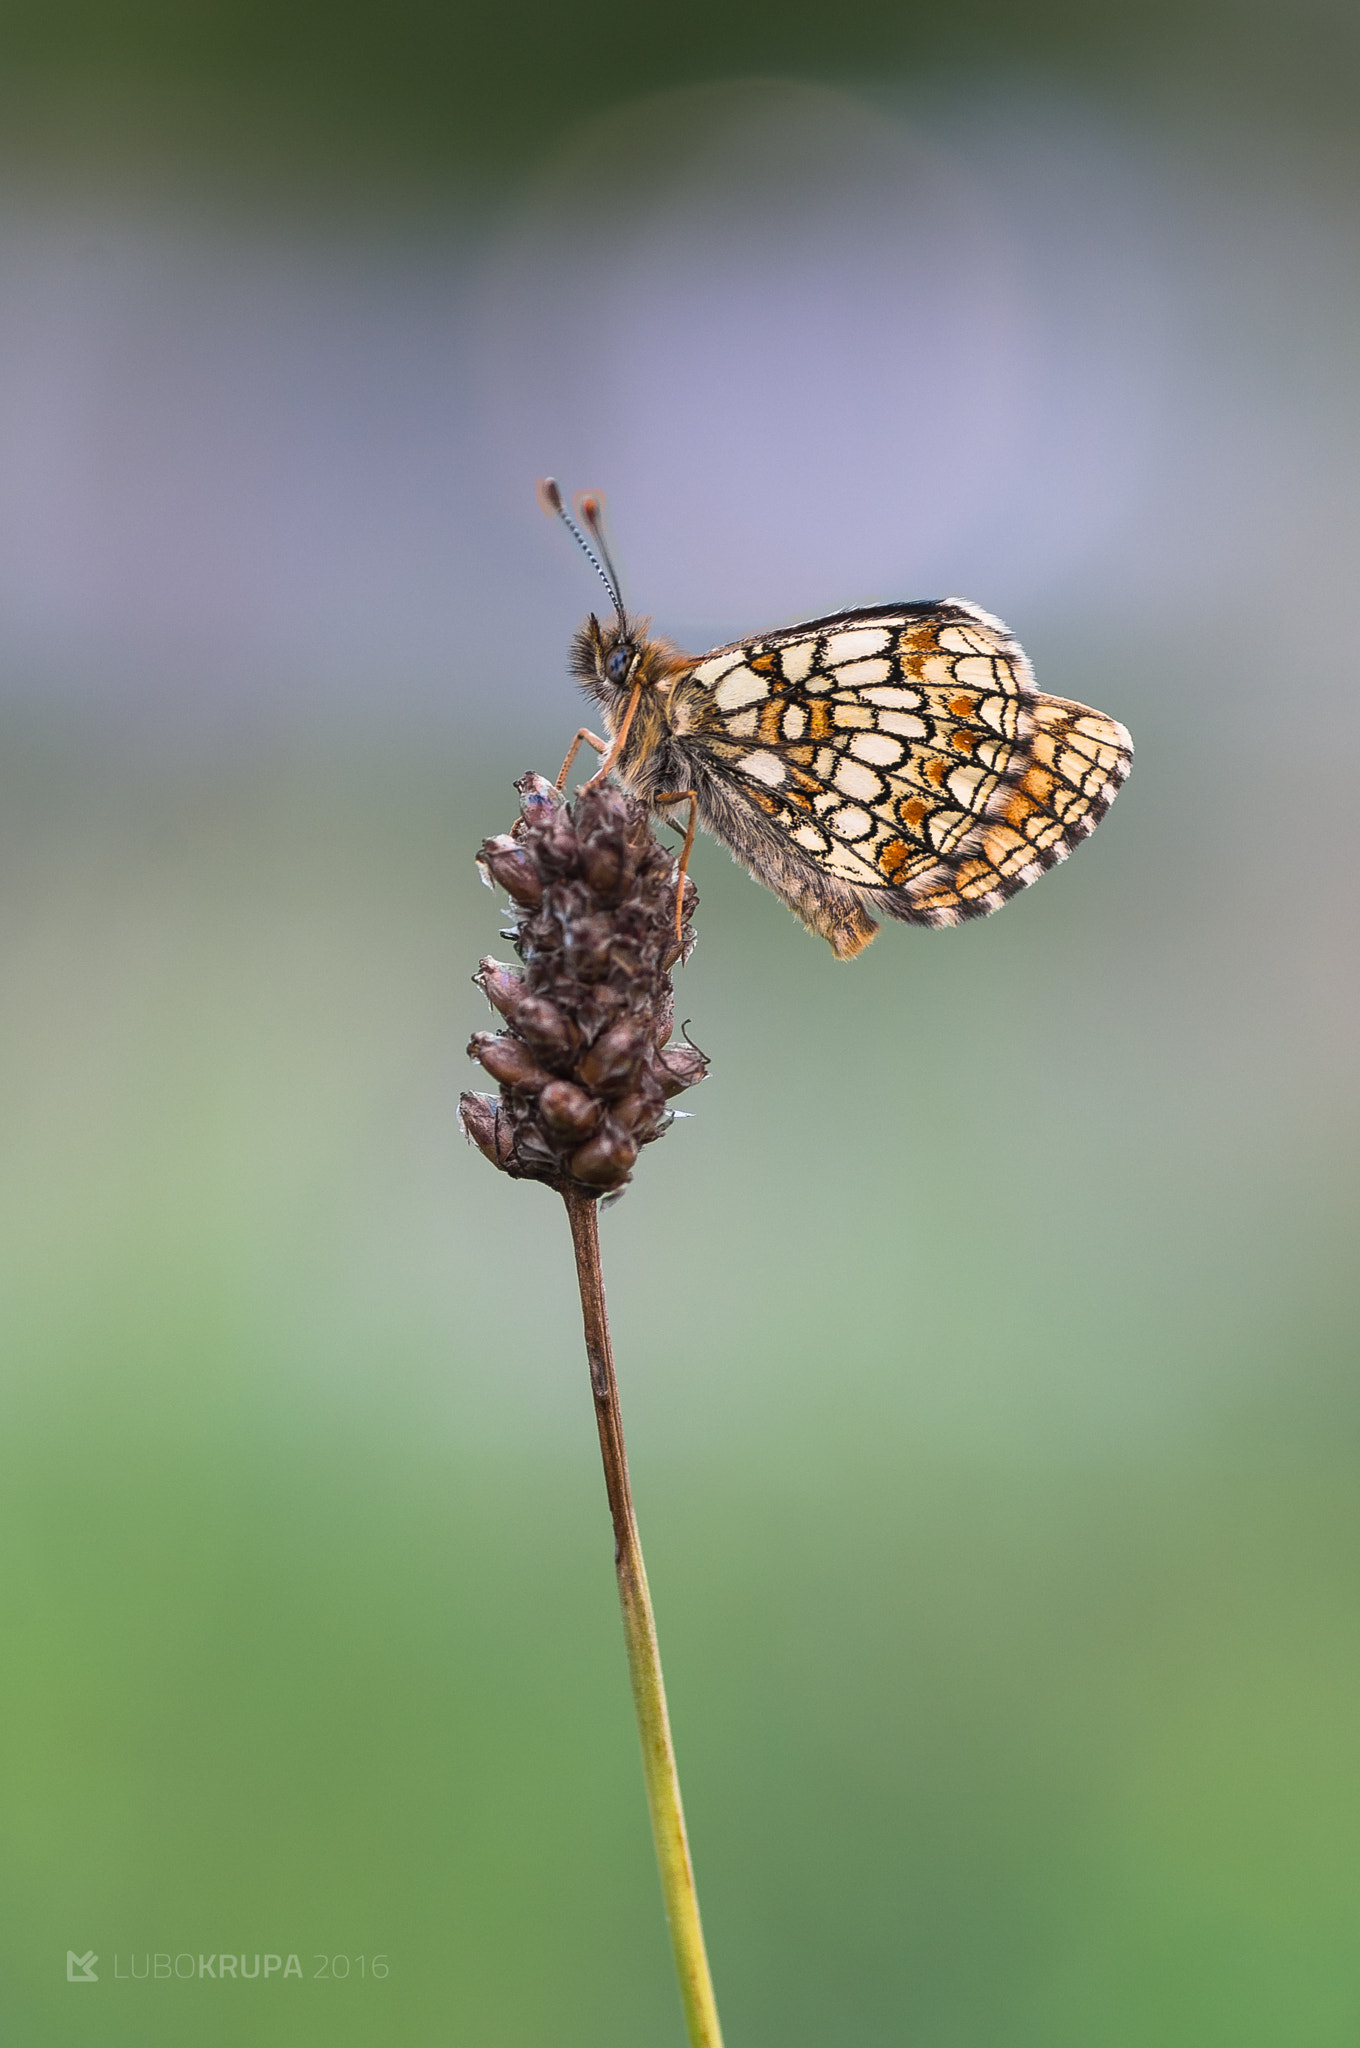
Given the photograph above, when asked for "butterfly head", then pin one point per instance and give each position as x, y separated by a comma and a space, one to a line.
611, 658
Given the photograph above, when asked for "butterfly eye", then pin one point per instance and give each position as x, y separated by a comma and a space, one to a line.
619, 662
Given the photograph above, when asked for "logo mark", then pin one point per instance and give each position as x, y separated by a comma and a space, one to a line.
80, 1969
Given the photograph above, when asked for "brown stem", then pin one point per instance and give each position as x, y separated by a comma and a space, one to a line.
639, 1629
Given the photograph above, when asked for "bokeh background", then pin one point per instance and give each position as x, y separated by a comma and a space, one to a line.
987, 1338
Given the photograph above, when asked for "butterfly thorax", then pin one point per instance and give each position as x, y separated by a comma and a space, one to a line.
613, 660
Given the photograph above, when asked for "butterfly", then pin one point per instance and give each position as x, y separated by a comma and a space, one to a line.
896, 758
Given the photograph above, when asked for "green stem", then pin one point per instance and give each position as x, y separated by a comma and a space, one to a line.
644, 1658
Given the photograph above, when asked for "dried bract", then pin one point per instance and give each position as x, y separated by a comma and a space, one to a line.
584, 1064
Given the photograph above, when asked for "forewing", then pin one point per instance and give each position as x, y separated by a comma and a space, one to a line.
905, 751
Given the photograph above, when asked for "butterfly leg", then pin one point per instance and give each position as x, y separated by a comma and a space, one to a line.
617, 745
681, 796
584, 737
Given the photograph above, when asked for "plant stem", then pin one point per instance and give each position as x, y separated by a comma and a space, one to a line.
644, 1658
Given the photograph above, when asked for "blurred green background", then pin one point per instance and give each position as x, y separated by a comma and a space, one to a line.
987, 1339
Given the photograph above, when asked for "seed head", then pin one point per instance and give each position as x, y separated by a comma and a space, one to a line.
584, 1066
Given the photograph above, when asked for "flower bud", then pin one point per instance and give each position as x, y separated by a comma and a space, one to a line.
502, 987
538, 798
513, 868
479, 1118
612, 1060
681, 1066
506, 1060
556, 848
643, 1113
606, 865
606, 1160
545, 1030
568, 1111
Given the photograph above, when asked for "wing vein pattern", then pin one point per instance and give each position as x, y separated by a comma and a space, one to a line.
906, 753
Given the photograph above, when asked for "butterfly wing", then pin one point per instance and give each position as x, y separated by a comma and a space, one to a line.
904, 755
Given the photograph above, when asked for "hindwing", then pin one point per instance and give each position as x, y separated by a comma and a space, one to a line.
906, 754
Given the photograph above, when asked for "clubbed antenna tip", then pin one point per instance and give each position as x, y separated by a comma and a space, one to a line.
589, 507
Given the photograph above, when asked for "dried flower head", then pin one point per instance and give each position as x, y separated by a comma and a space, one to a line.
584, 1064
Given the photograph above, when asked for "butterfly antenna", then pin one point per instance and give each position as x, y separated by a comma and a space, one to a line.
589, 506
550, 501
